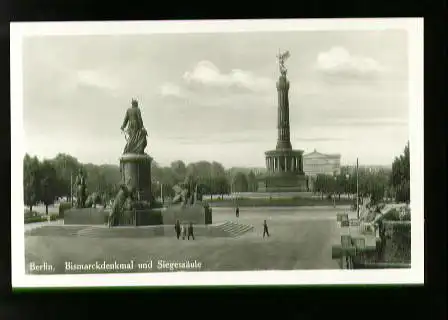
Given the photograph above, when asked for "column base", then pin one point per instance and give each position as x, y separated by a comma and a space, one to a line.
286, 182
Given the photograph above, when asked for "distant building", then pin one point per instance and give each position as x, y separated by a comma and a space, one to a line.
315, 163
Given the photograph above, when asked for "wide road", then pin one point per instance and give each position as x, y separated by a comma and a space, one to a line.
300, 238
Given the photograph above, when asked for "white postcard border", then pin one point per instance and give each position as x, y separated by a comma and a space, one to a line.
415, 274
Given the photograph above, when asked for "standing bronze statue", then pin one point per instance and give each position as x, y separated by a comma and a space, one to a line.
81, 186
136, 133
282, 57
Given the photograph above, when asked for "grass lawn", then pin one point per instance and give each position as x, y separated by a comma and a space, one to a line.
301, 238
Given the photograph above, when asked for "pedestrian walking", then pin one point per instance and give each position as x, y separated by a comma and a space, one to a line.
177, 229
237, 212
184, 231
265, 229
190, 231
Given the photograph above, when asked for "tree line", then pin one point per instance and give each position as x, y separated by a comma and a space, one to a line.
50, 179
47, 180
376, 185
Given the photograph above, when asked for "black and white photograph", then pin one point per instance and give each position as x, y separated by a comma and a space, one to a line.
224, 152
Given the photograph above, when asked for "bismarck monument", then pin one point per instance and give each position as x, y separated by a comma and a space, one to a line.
284, 165
134, 204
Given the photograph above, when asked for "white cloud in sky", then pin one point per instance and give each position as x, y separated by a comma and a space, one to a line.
339, 60
218, 99
207, 74
171, 90
96, 78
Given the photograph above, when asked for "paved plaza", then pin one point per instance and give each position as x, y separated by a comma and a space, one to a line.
300, 238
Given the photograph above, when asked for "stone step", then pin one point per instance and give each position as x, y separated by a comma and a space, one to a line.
117, 232
227, 229
235, 229
54, 230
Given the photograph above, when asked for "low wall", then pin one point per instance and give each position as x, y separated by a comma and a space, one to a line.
148, 217
196, 214
94, 216
88, 216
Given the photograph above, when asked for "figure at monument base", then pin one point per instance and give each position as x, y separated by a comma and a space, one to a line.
81, 189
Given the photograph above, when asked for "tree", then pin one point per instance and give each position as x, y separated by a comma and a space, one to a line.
222, 185
252, 182
319, 184
400, 177
218, 182
240, 183
377, 187
341, 185
31, 180
179, 169
66, 166
325, 185
48, 184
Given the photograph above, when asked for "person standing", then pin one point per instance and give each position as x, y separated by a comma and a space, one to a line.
177, 229
190, 231
184, 231
237, 211
265, 229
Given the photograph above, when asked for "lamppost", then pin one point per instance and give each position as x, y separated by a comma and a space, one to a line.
161, 192
159, 184
334, 191
357, 189
71, 188
347, 184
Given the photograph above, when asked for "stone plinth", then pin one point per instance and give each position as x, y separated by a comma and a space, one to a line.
197, 214
284, 171
144, 217
136, 173
86, 216
285, 182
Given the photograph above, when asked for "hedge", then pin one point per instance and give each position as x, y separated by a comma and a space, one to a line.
274, 202
35, 219
64, 206
30, 214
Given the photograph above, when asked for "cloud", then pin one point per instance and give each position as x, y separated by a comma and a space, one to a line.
171, 90
323, 139
205, 73
364, 122
96, 78
338, 61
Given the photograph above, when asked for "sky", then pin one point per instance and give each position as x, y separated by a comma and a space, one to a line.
212, 96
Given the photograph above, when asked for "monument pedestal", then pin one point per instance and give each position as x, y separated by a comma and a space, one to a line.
289, 182
86, 216
197, 214
136, 173
285, 171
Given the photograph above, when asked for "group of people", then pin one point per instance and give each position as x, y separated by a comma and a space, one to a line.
265, 225
184, 230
